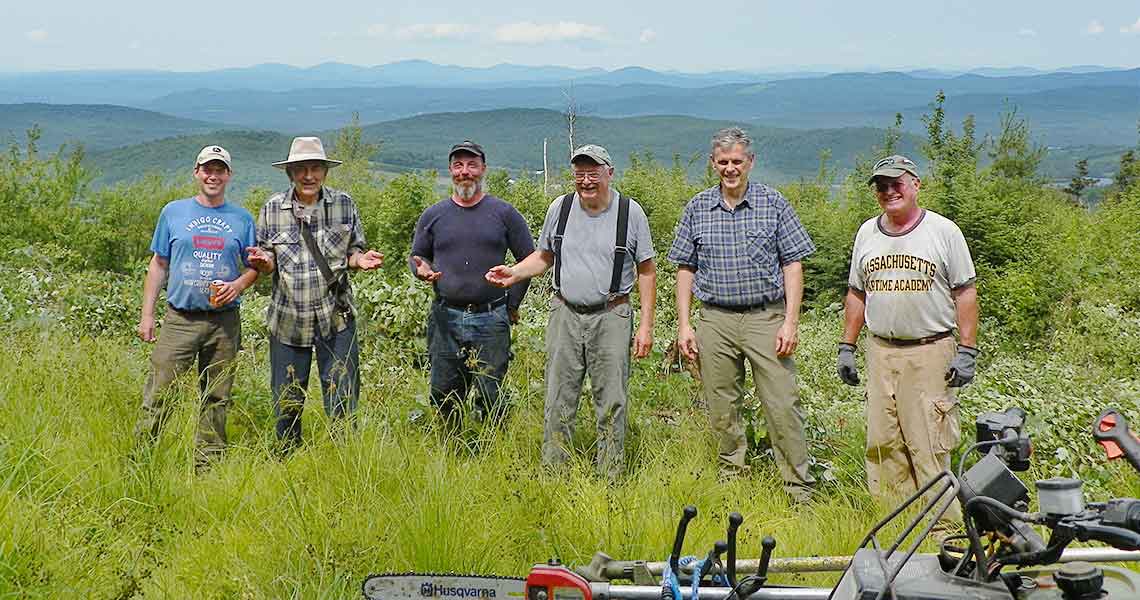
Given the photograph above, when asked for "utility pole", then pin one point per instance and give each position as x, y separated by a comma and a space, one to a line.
545, 169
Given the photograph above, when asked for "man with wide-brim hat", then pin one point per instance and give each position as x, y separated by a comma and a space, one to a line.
309, 237
911, 283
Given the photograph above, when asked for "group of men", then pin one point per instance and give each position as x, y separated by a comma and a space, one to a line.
738, 248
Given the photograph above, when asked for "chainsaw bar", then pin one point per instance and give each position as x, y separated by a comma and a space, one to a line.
442, 586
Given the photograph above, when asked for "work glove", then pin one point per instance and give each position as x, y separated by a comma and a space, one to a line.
962, 368
846, 364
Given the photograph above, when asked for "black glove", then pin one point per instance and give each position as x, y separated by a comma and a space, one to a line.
846, 367
962, 368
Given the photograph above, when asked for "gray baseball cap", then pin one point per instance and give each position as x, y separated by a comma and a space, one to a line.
893, 166
595, 153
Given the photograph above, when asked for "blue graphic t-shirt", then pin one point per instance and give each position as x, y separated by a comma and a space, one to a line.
202, 244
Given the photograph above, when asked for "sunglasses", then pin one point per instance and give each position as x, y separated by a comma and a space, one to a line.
883, 186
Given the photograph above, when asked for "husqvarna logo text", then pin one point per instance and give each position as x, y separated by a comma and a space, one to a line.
432, 590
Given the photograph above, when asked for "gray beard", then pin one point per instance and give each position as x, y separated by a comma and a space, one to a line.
468, 191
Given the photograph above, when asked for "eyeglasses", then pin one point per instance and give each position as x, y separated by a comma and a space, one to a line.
883, 186
592, 176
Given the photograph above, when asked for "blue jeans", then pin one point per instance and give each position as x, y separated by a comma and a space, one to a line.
338, 364
468, 348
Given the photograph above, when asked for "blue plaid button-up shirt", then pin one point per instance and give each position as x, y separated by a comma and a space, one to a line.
738, 254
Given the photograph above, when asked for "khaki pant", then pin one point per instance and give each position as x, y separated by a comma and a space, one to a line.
597, 345
211, 340
726, 340
912, 417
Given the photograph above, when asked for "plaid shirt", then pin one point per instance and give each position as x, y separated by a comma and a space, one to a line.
302, 303
738, 254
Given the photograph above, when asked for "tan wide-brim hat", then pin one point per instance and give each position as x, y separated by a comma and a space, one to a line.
306, 148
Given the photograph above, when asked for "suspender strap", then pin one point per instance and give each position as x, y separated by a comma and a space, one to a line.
620, 249
559, 231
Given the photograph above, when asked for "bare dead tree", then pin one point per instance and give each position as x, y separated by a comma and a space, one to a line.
571, 114
545, 169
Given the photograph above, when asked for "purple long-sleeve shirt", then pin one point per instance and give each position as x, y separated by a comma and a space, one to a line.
464, 243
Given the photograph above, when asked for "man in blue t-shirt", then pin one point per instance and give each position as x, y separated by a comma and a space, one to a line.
199, 250
469, 325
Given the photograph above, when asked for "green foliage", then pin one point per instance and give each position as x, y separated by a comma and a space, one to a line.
392, 224
1013, 155
1081, 181
661, 191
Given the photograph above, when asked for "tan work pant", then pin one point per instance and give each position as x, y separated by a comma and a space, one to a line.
727, 339
912, 417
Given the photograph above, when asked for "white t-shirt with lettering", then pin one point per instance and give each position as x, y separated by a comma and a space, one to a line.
908, 276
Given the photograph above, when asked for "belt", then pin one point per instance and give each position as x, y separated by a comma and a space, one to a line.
930, 339
200, 313
743, 308
586, 309
480, 307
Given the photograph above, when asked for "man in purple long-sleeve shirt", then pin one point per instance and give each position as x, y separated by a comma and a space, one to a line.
457, 240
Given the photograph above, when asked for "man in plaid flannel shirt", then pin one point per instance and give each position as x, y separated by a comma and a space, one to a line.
307, 312
738, 249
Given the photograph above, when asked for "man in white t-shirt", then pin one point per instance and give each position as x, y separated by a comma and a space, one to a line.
912, 284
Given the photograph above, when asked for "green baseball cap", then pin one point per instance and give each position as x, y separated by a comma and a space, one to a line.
595, 153
893, 166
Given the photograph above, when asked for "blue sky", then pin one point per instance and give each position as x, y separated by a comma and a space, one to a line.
695, 36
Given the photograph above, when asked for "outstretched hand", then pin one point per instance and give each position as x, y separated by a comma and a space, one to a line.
259, 259
370, 260
502, 276
424, 270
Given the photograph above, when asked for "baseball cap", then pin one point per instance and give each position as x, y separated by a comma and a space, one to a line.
467, 146
594, 152
893, 166
213, 153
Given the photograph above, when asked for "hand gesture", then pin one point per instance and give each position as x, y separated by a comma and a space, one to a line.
846, 368
146, 329
687, 342
642, 342
501, 276
259, 259
370, 260
786, 339
424, 270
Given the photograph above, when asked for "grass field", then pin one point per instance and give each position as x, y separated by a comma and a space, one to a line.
80, 518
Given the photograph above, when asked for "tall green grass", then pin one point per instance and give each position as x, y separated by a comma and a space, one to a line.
81, 516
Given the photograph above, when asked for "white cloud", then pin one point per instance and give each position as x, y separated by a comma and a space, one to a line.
1094, 27
1133, 28
434, 31
134, 45
37, 35
376, 29
647, 35
536, 33
1026, 32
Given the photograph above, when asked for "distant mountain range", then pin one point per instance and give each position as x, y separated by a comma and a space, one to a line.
417, 108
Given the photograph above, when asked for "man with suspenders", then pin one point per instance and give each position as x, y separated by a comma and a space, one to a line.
598, 242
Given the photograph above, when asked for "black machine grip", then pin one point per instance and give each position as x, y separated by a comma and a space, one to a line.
1117, 537
767, 545
734, 521
712, 559
1111, 430
687, 515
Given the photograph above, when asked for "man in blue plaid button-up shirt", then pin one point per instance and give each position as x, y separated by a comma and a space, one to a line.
738, 249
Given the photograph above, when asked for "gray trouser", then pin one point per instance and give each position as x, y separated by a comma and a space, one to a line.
597, 345
210, 339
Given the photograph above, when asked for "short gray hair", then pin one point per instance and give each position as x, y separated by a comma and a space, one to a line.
728, 137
